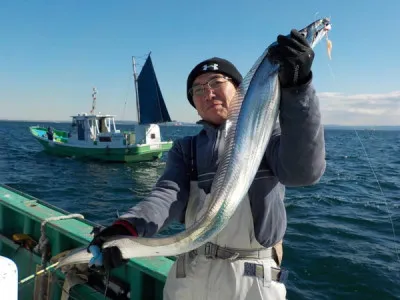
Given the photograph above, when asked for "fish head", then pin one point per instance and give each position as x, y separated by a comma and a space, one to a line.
316, 31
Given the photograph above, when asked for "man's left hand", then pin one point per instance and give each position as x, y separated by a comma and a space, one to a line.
295, 57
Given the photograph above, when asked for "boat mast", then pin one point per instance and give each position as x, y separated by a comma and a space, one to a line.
94, 93
136, 89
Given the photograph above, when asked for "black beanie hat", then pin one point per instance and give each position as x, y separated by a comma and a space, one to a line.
216, 65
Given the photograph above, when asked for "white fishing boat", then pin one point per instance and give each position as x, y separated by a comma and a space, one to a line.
95, 136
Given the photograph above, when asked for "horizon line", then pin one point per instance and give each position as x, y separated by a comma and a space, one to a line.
176, 121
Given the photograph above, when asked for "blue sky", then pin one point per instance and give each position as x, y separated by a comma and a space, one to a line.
53, 52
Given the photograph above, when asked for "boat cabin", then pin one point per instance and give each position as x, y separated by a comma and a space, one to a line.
90, 127
101, 128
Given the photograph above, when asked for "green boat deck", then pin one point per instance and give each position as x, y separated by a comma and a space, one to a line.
22, 213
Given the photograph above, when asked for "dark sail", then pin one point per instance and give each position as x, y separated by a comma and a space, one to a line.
152, 108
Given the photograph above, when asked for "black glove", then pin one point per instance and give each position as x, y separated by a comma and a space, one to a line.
295, 57
112, 257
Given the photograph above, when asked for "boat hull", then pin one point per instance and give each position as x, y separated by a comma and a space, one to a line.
132, 153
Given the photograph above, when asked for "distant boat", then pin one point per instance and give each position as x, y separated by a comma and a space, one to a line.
95, 136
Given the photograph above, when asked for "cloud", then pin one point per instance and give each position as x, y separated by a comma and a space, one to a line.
360, 109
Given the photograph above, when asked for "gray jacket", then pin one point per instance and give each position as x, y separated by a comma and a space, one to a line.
294, 157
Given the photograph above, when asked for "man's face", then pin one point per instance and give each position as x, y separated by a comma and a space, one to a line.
212, 94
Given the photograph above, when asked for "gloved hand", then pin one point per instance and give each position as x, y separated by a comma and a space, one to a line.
111, 257
295, 57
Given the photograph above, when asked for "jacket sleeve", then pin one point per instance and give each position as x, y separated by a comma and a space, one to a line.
168, 199
296, 152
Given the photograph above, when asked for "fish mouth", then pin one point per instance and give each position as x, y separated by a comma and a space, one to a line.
316, 30
328, 27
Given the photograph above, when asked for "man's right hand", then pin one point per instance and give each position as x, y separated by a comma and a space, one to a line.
112, 257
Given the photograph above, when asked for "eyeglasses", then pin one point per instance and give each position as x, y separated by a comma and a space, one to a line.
215, 83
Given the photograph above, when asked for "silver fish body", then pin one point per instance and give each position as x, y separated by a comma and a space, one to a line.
251, 119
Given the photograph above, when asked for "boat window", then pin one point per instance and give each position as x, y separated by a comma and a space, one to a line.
108, 125
92, 128
103, 128
73, 128
81, 130
97, 126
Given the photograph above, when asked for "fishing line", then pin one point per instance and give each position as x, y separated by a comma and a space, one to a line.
329, 48
331, 71
383, 195
126, 97
107, 284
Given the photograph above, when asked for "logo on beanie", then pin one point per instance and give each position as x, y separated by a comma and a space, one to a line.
213, 67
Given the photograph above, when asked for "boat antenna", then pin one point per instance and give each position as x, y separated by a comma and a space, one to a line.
136, 89
94, 93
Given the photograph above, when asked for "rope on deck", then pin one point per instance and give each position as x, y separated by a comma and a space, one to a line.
43, 246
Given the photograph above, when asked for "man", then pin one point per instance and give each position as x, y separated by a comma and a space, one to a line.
50, 133
240, 262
